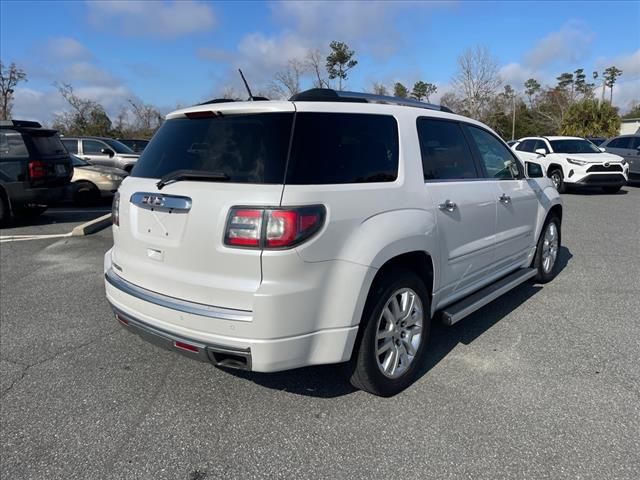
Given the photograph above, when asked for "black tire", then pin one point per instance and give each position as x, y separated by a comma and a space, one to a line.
5, 213
542, 275
30, 211
86, 193
364, 371
557, 178
611, 189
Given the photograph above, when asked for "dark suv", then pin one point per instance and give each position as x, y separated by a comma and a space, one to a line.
35, 168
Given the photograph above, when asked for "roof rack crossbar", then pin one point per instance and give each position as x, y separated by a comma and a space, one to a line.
329, 95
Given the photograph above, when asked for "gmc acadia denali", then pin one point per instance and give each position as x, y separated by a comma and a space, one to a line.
271, 235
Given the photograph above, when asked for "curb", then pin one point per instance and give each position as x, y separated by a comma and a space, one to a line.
92, 226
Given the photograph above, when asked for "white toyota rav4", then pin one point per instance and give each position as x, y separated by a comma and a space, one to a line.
270, 235
575, 161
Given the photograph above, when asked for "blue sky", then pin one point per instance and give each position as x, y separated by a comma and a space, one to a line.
178, 53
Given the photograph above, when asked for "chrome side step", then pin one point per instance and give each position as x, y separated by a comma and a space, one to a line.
466, 306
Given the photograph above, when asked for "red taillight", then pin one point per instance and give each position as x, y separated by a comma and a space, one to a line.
115, 209
272, 228
37, 169
186, 346
244, 227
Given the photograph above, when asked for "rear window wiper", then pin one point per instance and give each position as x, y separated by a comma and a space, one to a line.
196, 175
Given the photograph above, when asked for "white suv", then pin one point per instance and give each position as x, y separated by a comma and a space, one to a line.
271, 235
575, 161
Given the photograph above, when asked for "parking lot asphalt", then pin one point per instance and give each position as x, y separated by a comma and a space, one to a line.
542, 383
55, 220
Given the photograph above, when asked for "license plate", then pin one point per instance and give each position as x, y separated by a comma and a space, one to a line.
61, 169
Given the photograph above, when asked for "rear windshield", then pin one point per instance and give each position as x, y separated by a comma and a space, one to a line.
48, 145
247, 148
573, 146
327, 148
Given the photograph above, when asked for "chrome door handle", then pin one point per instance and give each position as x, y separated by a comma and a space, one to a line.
506, 199
448, 205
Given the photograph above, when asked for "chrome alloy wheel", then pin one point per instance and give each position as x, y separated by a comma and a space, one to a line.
549, 247
399, 332
556, 179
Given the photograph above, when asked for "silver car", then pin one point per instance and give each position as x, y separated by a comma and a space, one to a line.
628, 147
90, 183
102, 151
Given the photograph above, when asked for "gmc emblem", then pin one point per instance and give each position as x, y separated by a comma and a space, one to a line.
153, 200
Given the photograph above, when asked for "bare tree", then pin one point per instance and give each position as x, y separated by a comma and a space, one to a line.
476, 80
9, 78
315, 63
87, 117
146, 119
379, 89
286, 83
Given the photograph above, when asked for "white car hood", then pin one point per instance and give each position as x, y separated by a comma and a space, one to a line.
593, 157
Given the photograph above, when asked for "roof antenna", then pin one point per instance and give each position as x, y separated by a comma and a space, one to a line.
246, 85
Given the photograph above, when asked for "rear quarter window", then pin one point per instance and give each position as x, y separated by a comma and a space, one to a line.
12, 145
338, 148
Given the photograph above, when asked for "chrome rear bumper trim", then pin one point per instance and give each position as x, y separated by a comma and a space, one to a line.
176, 304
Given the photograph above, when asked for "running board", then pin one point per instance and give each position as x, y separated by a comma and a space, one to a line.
466, 306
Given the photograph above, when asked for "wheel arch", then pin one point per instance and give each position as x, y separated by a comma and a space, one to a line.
554, 166
5, 196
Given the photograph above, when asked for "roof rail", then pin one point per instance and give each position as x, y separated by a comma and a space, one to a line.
329, 95
20, 123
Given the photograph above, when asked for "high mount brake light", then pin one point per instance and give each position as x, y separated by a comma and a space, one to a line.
272, 228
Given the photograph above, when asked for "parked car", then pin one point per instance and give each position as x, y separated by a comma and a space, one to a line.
597, 141
628, 147
102, 151
137, 145
35, 168
92, 182
244, 241
574, 161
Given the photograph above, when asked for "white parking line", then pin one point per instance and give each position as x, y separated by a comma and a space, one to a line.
21, 238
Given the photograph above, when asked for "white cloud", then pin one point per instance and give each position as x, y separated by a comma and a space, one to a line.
567, 45
629, 64
152, 18
87, 73
65, 48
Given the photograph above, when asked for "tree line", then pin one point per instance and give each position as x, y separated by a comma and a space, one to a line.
575, 105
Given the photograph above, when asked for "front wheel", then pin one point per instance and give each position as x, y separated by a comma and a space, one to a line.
545, 260
557, 178
394, 331
612, 189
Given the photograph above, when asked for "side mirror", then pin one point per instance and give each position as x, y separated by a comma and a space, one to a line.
541, 151
602, 149
108, 151
534, 170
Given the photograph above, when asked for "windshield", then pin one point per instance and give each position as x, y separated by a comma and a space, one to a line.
573, 146
78, 162
247, 148
118, 147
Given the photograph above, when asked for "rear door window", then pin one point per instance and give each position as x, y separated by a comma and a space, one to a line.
445, 152
249, 148
337, 148
70, 145
12, 145
526, 146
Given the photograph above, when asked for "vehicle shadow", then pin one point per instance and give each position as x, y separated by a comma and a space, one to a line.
55, 216
594, 191
329, 381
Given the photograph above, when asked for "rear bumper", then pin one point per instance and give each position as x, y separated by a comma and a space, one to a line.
215, 333
21, 194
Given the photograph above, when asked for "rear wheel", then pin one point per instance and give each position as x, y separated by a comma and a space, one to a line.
545, 260
611, 189
86, 193
4, 210
394, 331
557, 178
